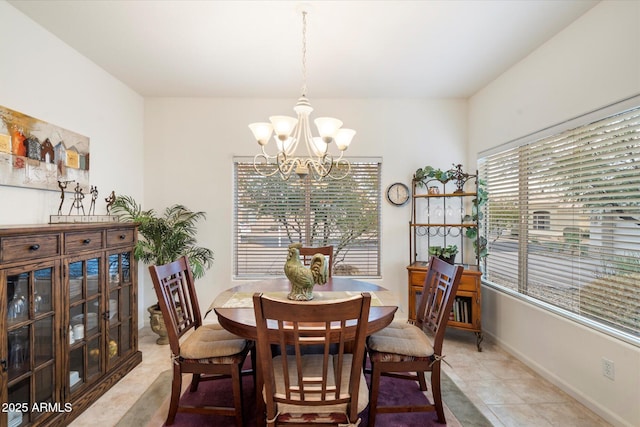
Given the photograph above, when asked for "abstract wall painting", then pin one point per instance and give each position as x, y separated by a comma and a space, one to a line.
37, 154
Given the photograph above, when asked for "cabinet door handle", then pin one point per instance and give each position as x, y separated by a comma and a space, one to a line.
34, 247
123, 236
3, 364
86, 241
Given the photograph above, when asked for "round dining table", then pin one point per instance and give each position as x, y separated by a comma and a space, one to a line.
234, 308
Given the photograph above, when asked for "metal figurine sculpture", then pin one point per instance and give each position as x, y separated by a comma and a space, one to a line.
77, 200
62, 185
303, 278
110, 200
94, 196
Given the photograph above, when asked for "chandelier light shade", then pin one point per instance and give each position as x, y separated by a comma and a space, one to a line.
319, 160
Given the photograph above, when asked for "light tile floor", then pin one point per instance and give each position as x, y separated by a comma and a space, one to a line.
506, 391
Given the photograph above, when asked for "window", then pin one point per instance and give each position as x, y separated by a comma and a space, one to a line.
563, 219
271, 213
541, 220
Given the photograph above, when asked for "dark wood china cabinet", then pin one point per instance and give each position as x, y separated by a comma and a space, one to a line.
68, 318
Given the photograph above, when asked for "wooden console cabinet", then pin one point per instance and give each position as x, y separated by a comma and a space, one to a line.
68, 318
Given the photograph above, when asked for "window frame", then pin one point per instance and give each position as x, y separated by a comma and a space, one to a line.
541, 220
519, 289
365, 251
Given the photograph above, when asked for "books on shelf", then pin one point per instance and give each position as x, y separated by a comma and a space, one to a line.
461, 311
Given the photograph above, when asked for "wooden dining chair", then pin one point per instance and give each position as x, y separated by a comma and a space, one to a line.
307, 252
209, 352
325, 386
402, 350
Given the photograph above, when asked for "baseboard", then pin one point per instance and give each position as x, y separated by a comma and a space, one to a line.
595, 406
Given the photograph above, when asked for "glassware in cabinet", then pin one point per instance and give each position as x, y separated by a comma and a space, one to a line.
120, 312
31, 340
86, 332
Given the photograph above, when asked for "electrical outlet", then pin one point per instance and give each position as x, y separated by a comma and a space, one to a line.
608, 369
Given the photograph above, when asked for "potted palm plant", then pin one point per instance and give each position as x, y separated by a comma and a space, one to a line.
164, 238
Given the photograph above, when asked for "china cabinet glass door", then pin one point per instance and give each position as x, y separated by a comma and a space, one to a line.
120, 311
86, 333
32, 323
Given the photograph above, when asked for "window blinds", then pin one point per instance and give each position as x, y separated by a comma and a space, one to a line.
563, 220
271, 213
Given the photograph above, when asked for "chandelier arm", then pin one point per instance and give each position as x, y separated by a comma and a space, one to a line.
327, 159
308, 137
286, 165
265, 154
318, 168
336, 166
266, 162
296, 138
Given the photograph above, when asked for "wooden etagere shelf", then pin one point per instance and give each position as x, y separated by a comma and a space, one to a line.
440, 217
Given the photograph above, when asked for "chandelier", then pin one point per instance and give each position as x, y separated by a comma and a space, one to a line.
289, 132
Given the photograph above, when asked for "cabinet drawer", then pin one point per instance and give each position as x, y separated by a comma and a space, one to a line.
468, 283
120, 237
29, 247
87, 240
417, 278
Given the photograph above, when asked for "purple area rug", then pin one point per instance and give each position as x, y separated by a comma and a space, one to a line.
392, 391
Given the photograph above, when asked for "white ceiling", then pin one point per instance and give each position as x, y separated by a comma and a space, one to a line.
355, 49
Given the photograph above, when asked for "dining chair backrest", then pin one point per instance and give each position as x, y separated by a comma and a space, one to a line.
208, 352
329, 376
175, 290
438, 293
307, 252
407, 352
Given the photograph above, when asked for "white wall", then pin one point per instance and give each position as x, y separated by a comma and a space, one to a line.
592, 63
42, 77
190, 144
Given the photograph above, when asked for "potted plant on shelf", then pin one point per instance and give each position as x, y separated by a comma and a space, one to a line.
162, 239
427, 173
447, 253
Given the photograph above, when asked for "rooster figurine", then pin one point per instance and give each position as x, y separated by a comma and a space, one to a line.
303, 278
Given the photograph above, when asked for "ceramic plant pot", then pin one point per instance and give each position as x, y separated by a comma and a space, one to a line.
157, 324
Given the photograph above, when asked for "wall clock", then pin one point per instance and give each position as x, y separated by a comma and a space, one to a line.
398, 194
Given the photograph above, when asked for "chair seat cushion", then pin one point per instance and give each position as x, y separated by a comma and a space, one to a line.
312, 366
211, 344
405, 341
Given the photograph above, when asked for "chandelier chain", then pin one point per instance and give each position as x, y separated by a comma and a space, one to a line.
304, 53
